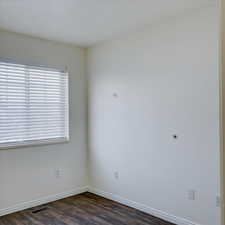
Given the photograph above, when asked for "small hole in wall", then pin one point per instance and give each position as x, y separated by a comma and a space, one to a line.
175, 136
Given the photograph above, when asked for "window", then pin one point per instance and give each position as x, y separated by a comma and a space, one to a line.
33, 105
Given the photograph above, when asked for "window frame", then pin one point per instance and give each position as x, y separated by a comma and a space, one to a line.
47, 141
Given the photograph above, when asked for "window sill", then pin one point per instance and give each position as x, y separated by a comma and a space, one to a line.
34, 143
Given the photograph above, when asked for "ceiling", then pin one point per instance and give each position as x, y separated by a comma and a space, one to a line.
86, 22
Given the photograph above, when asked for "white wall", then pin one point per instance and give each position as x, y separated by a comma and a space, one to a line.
28, 174
166, 78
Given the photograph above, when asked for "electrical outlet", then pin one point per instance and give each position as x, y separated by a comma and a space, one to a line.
58, 173
218, 201
191, 195
116, 175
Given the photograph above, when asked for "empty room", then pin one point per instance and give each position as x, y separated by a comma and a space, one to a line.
112, 112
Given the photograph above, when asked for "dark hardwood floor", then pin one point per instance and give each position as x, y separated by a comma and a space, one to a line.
83, 209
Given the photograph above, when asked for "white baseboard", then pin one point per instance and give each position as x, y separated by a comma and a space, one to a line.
44, 200
136, 205
144, 208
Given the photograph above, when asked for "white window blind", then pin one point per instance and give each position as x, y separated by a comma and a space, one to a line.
33, 105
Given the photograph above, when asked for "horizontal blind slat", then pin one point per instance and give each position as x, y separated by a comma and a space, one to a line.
23, 75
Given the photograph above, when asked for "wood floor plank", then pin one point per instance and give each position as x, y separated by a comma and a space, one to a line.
83, 209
